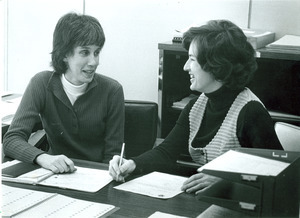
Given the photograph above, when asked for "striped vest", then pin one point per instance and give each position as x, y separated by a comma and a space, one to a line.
226, 138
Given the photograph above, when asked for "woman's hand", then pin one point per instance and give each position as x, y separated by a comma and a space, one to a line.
119, 173
198, 183
56, 163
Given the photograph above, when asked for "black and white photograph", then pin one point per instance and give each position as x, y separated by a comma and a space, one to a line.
150, 108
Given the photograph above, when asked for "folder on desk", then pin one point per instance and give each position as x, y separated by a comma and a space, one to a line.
257, 182
83, 179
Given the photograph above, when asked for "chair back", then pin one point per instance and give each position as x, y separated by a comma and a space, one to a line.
140, 133
288, 135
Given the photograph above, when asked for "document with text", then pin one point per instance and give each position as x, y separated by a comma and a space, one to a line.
155, 184
83, 179
19, 203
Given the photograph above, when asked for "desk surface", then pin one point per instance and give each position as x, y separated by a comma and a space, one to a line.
5, 98
130, 204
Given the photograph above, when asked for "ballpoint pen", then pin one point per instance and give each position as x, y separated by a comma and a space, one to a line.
122, 154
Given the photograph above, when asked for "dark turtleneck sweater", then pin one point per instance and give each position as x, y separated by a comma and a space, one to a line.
255, 129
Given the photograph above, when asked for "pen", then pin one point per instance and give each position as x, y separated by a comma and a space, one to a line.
122, 154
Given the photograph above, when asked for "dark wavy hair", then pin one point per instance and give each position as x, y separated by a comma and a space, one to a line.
74, 30
223, 51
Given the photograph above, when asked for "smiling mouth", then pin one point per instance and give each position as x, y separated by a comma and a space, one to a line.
89, 72
192, 77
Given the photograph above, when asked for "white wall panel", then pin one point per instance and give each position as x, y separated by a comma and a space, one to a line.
3, 26
30, 27
134, 28
279, 16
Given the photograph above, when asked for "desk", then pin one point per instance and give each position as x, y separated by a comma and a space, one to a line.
130, 204
38, 125
6, 98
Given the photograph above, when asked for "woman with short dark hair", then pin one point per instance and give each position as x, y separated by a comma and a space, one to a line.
223, 51
82, 111
227, 115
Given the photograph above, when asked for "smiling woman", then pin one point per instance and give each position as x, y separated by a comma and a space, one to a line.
227, 115
82, 112
82, 64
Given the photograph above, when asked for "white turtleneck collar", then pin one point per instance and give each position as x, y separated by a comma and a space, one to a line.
72, 91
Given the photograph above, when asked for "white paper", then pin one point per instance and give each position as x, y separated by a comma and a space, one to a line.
83, 179
9, 163
6, 93
287, 41
238, 162
36, 204
36, 176
155, 184
15, 200
63, 206
159, 214
8, 109
32, 177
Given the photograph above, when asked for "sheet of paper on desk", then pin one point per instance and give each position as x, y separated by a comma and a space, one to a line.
159, 214
238, 162
15, 200
83, 179
155, 184
26, 203
6, 93
17, 171
8, 109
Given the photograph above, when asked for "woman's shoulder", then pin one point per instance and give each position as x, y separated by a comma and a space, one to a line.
254, 110
100, 78
43, 75
107, 83
254, 107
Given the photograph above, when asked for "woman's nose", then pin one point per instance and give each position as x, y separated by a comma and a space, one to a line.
93, 60
186, 66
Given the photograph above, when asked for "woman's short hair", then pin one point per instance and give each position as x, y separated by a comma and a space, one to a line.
223, 51
74, 30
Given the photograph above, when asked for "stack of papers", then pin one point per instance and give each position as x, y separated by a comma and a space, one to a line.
238, 162
287, 42
26, 203
259, 38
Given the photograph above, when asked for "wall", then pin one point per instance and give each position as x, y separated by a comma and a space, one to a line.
29, 37
133, 29
279, 16
2, 47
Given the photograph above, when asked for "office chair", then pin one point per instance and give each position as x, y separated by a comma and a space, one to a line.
141, 118
288, 135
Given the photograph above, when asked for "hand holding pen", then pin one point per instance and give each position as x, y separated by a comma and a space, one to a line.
122, 155
119, 167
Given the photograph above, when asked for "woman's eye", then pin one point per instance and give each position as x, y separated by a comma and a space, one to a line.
96, 53
84, 52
